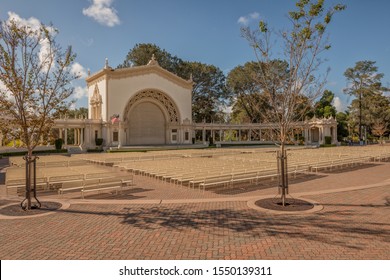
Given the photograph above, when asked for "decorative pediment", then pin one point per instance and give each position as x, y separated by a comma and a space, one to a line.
153, 61
151, 68
314, 122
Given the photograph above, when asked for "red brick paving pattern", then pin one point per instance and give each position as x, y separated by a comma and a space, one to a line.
352, 225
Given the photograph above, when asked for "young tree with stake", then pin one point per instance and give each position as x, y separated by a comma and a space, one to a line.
285, 81
35, 78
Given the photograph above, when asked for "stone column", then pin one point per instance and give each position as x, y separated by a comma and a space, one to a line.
66, 137
87, 131
74, 136
306, 135
81, 136
109, 136
119, 135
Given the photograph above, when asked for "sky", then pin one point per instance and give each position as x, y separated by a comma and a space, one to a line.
206, 31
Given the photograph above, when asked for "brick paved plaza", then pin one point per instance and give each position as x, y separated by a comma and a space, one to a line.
163, 221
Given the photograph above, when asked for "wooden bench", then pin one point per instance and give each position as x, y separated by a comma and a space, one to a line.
245, 177
298, 168
225, 180
182, 178
321, 165
68, 186
56, 182
340, 163
100, 175
199, 177
127, 181
14, 184
103, 185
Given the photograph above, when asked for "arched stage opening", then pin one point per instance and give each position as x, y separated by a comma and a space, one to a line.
147, 125
149, 115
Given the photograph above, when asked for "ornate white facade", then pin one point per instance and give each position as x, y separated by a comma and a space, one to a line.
145, 105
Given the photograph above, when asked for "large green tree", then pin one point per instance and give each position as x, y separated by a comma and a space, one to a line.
301, 44
248, 102
364, 83
209, 93
324, 107
35, 78
141, 54
342, 125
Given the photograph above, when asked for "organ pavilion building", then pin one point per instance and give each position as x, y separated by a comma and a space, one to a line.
145, 105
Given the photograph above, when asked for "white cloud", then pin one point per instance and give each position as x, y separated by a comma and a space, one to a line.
46, 54
102, 12
32, 22
80, 92
6, 91
245, 20
338, 103
78, 70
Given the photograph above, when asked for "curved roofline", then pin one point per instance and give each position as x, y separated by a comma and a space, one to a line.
122, 73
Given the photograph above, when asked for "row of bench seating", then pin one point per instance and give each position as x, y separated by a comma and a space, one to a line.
339, 163
246, 167
202, 173
97, 185
65, 183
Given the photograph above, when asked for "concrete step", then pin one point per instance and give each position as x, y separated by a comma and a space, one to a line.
75, 150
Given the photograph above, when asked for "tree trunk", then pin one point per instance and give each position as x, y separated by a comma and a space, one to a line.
282, 168
283, 172
29, 178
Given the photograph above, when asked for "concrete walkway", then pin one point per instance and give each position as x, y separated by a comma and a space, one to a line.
162, 221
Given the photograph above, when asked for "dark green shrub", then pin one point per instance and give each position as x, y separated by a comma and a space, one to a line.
99, 141
9, 154
95, 150
58, 143
328, 140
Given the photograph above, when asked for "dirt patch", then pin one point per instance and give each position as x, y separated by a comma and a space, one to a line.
16, 210
5, 202
291, 204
